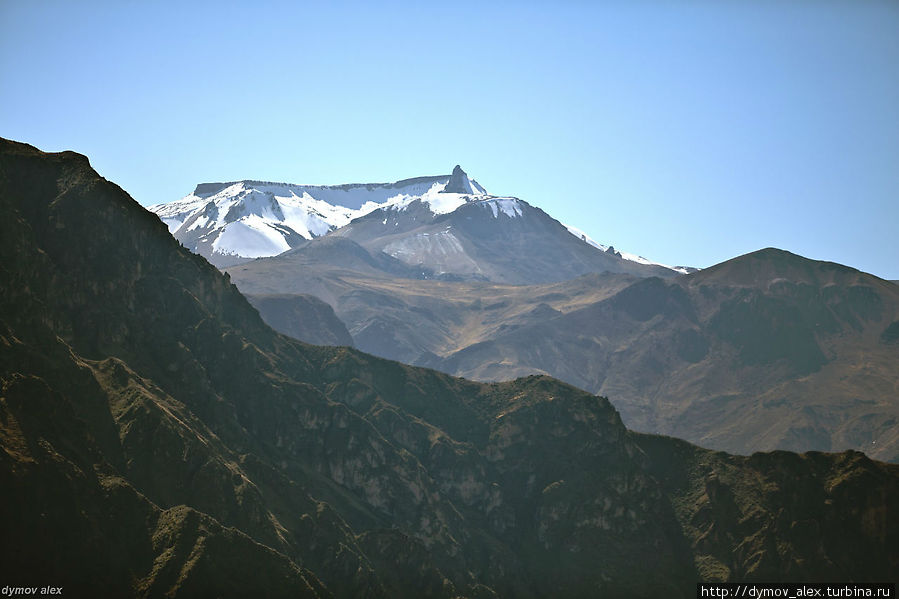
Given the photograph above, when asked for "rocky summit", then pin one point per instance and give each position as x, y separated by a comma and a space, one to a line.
159, 439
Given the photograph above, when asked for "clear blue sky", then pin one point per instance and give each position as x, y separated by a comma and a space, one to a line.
688, 132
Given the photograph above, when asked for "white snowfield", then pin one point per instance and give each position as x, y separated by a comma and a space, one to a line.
255, 219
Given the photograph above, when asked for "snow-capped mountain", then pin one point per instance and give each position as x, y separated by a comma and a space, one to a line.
232, 222
448, 224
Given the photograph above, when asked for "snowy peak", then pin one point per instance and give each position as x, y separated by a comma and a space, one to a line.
232, 222
235, 221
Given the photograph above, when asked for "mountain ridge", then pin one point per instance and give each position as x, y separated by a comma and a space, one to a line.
743, 352
212, 188
159, 439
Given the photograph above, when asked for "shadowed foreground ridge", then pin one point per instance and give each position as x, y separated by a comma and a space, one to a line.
160, 440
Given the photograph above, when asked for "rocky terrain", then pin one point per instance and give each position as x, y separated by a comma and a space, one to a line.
159, 439
766, 351
392, 312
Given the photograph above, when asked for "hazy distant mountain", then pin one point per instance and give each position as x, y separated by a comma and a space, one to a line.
447, 226
769, 350
395, 312
158, 439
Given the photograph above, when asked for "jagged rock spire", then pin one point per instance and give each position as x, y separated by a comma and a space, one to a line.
459, 182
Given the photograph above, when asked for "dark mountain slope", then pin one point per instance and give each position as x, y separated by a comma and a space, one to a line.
159, 440
69, 512
799, 508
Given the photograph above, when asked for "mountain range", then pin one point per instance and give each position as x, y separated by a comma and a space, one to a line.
766, 351
160, 440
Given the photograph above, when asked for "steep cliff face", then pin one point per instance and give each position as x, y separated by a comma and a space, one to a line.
159, 439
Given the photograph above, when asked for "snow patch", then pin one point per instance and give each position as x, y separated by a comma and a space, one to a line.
250, 237
198, 223
511, 207
438, 201
171, 223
